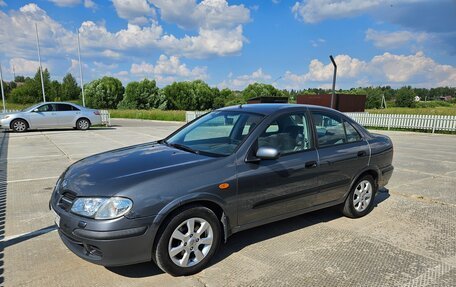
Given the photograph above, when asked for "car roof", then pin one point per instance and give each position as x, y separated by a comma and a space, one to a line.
267, 109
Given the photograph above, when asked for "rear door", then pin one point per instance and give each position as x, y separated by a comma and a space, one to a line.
44, 116
342, 153
270, 188
67, 114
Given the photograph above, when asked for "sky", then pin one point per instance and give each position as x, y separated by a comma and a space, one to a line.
235, 43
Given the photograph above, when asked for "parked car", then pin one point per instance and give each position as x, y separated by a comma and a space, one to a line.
175, 200
51, 115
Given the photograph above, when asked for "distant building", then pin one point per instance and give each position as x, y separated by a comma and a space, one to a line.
269, 100
417, 99
342, 102
446, 98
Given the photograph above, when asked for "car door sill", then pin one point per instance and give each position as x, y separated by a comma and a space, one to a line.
287, 215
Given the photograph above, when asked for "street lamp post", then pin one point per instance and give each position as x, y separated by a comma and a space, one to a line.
334, 82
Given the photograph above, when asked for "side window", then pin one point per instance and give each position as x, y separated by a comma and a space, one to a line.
64, 107
352, 134
329, 128
289, 133
46, 108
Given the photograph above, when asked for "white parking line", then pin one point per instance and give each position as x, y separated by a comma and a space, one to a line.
28, 179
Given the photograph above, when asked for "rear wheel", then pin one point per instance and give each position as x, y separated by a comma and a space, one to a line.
83, 124
19, 126
188, 242
360, 201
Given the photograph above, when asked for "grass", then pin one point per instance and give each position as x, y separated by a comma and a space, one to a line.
11, 106
445, 111
158, 115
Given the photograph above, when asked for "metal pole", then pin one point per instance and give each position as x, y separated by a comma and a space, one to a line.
39, 59
1, 84
80, 72
14, 74
334, 81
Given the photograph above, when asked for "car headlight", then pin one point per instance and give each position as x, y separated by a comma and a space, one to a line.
101, 208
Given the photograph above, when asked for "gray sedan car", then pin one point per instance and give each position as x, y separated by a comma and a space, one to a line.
51, 115
174, 201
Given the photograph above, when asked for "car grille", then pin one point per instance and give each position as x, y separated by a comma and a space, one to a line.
66, 200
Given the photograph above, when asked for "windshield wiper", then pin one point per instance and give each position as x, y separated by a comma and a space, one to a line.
182, 147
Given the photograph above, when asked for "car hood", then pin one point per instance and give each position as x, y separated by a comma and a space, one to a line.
107, 173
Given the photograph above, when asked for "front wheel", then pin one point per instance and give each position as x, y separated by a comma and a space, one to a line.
360, 200
83, 124
188, 242
19, 126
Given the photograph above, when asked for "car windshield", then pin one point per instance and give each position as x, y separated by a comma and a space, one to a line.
218, 133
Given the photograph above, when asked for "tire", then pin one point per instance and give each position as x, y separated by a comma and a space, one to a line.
19, 125
360, 200
177, 249
82, 124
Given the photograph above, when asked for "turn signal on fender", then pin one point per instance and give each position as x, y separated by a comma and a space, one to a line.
224, 185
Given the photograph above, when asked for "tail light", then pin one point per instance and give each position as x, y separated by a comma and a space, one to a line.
97, 113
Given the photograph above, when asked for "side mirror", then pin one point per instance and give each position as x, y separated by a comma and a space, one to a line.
267, 153
35, 110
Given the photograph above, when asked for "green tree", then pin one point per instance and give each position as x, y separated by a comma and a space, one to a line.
373, 98
26, 93
53, 93
405, 97
196, 95
142, 95
260, 90
104, 93
70, 89
46, 82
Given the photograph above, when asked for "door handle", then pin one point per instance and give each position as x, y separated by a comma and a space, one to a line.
361, 153
311, 164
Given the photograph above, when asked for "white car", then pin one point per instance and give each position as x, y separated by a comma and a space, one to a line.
51, 115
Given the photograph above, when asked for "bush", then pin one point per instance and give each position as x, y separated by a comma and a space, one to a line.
405, 97
105, 93
432, 104
374, 99
196, 95
143, 95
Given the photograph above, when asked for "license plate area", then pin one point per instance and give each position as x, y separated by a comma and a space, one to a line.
56, 218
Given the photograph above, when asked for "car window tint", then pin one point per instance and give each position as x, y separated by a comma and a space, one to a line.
329, 128
289, 133
351, 132
46, 108
64, 107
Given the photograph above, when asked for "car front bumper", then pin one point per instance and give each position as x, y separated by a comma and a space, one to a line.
114, 242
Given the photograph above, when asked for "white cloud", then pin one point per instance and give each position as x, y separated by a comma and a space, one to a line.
18, 30
25, 67
396, 70
66, 3
208, 14
242, 81
168, 69
110, 54
313, 11
90, 4
318, 42
383, 39
135, 11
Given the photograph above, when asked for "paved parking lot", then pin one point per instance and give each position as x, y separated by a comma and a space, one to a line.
409, 239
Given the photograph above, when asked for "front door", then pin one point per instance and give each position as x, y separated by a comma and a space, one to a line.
45, 116
270, 188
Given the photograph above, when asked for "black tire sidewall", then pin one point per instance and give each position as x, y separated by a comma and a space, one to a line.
161, 256
351, 206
